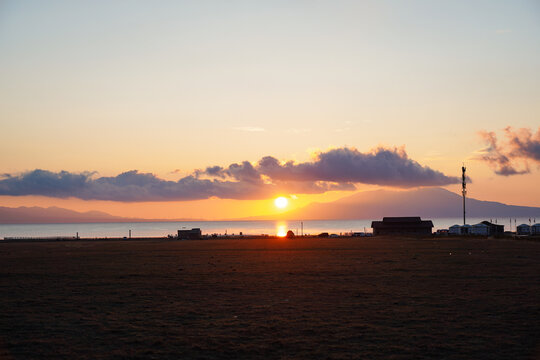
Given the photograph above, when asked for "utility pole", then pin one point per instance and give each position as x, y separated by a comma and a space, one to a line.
463, 189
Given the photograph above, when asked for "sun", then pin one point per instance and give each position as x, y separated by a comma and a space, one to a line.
281, 202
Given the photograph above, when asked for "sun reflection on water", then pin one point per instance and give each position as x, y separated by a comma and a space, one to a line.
281, 229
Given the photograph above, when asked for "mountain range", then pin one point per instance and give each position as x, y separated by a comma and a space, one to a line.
424, 202
39, 215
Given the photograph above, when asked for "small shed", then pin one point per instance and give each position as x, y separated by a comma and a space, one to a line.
535, 229
523, 229
480, 229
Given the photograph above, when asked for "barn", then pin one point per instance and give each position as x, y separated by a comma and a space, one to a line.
192, 234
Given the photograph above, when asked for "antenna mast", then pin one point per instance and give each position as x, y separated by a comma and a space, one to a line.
463, 189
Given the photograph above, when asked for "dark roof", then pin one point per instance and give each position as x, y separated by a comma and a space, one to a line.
186, 231
412, 219
494, 227
490, 223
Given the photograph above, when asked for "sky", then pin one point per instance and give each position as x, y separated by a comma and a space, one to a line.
212, 109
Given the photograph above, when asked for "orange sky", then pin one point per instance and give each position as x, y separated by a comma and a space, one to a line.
220, 209
170, 89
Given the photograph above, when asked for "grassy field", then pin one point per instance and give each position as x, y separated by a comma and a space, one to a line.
400, 298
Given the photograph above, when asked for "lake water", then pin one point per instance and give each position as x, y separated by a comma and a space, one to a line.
270, 227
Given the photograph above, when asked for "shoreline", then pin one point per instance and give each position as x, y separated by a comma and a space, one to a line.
258, 237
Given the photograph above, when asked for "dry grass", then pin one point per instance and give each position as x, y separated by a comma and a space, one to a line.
271, 298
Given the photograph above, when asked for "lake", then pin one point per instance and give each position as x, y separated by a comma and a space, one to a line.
255, 227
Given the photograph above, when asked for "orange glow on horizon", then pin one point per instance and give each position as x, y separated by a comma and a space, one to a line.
208, 209
227, 209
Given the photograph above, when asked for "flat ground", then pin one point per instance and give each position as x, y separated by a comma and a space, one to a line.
272, 298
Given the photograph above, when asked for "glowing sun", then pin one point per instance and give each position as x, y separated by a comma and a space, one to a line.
281, 202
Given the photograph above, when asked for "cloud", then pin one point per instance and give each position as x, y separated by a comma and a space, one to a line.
520, 148
346, 166
336, 169
495, 156
43, 182
130, 186
250, 129
524, 144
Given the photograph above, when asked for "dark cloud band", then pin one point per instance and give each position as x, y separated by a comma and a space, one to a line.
337, 169
382, 166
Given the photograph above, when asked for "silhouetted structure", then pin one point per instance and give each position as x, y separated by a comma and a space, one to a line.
454, 230
290, 234
460, 229
484, 228
402, 225
494, 229
190, 234
463, 189
523, 229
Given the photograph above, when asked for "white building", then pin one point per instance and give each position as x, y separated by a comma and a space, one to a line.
523, 229
460, 229
454, 230
466, 229
480, 229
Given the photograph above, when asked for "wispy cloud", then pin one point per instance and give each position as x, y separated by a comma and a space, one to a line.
336, 169
524, 144
298, 131
520, 148
250, 129
433, 155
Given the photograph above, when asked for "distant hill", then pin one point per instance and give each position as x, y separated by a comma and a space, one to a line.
38, 215
424, 202
53, 214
